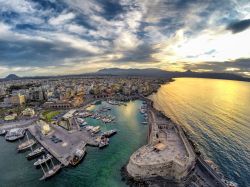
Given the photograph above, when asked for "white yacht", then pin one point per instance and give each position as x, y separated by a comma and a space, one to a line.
42, 160
15, 134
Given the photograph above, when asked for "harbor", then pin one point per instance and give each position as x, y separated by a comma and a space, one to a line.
168, 154
62, 151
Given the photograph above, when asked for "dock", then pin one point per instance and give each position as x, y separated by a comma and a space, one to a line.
64, 150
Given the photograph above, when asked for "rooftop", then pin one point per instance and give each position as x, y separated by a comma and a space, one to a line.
169, 148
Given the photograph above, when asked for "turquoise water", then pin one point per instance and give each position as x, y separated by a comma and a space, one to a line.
99, 168
217, 115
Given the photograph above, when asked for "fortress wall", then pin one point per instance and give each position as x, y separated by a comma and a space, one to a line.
170, 171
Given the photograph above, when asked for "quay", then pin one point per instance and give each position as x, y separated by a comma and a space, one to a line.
18, 124
70, 141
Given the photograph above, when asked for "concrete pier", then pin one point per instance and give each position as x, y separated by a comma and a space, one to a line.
70, 141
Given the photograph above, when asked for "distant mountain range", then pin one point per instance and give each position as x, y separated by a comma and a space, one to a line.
149, 72
153, 72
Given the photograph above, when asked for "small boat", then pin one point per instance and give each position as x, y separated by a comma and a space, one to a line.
103, 142
50, 172
42, 160
25, 145
230, 183
84, 123
143, 111
15, 134
107, 108
78, 155
109, 133
35, 153
113, 102
3, 132
89, 128
80, 120
106, 120
95, 129
144, 123
98, 102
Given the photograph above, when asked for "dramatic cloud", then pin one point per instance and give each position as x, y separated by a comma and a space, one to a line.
239, 26
75, 36
241, 66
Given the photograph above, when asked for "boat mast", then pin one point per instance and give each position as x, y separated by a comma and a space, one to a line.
42, 168
47, 166
27, 136
52, 162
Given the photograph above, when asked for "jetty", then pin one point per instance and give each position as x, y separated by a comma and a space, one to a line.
64, 149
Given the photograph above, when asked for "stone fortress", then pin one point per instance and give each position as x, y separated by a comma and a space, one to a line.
168, 153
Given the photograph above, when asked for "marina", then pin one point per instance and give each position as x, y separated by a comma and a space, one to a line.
102, 158
65, 143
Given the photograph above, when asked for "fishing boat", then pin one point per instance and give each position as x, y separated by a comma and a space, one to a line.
103, 142
35, 153
15, 134
51, 172
78, 155
25, 145
3, 132
42, 160
109, 133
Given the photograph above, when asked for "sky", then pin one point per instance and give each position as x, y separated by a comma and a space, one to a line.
55, 37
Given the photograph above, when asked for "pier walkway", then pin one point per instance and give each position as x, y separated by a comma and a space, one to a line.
18, 124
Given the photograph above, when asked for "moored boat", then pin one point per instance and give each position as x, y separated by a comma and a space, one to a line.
50, 172
103, 142
143, 111
95, 129
45, 158
3, 132
109, 133
35, 153
25, 145
78, 155
230, 183
15, 134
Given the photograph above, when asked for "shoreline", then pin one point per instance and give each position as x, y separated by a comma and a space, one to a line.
155, 180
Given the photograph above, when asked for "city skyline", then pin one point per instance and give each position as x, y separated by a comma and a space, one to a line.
71, 37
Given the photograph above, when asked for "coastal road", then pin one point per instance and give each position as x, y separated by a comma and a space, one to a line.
18, 124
